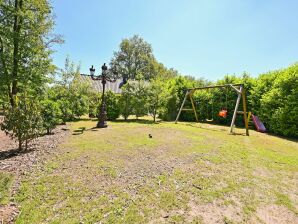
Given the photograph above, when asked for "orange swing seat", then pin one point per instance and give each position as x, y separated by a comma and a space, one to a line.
223, 113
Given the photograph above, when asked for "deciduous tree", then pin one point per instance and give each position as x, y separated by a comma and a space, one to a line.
134, 57
25, 46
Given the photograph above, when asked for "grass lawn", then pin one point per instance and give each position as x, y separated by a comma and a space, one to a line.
185, 173
5, 184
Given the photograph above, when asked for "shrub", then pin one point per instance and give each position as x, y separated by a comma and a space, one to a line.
279, 105
23, 121
51, 114
113, 109
126, 101
94, 104
156, 97
139, 100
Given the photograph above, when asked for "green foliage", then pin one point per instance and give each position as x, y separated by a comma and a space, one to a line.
140, 98
25, 46
51, 114
23, 121
157, 96
176, 89
126, 100
134, 57
94, 104
279, 104
113, 109
79, 94
70, 92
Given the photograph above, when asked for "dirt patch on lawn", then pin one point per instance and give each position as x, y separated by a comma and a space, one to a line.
19, 163
215, 212
274, 214
8, 213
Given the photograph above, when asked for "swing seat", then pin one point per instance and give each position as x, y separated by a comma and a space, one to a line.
223, 113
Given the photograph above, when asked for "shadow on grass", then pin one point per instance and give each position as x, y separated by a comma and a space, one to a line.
82, 119
291, 139
139, 121
200, 127
215, 130
79, 131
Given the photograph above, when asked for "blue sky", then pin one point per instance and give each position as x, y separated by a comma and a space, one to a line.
202, 38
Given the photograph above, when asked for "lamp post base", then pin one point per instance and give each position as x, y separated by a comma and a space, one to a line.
102, 120
102, 125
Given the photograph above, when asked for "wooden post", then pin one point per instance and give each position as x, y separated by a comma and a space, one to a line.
182, 105
235, 111
193, 106
244, 110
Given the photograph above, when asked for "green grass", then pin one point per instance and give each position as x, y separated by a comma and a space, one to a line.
5, 184
119, 175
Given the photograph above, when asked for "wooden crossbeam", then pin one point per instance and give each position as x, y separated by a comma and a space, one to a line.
187, 109
215, 86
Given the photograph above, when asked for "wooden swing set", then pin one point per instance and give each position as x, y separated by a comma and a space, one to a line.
223, 113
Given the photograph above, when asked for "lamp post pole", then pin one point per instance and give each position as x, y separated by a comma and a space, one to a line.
102, 119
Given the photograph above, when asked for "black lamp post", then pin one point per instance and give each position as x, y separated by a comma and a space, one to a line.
106, 75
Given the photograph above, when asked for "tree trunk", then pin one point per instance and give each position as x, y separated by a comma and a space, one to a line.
16, 40
20, 145
154, 113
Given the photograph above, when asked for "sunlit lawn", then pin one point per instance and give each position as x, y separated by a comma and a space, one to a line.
185, 173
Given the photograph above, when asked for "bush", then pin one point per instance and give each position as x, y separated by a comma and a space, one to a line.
279, 105
23, 121
66, 111
94, 104
126, 101
51, 114
176, 89
139, 100
156, 97
112, 103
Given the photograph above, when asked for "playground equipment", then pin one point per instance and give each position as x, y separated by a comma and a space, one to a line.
210, 118
258, 123
223, 113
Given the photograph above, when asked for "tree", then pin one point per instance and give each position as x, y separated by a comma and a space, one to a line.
71, 92
126, 100
23, 121
140, 93
51, 114
157, 96
79, 94
134, 57
25, 46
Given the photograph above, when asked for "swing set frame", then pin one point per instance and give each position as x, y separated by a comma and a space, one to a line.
241, 94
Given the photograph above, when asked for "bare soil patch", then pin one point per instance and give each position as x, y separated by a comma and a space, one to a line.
215, 212
275, 214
